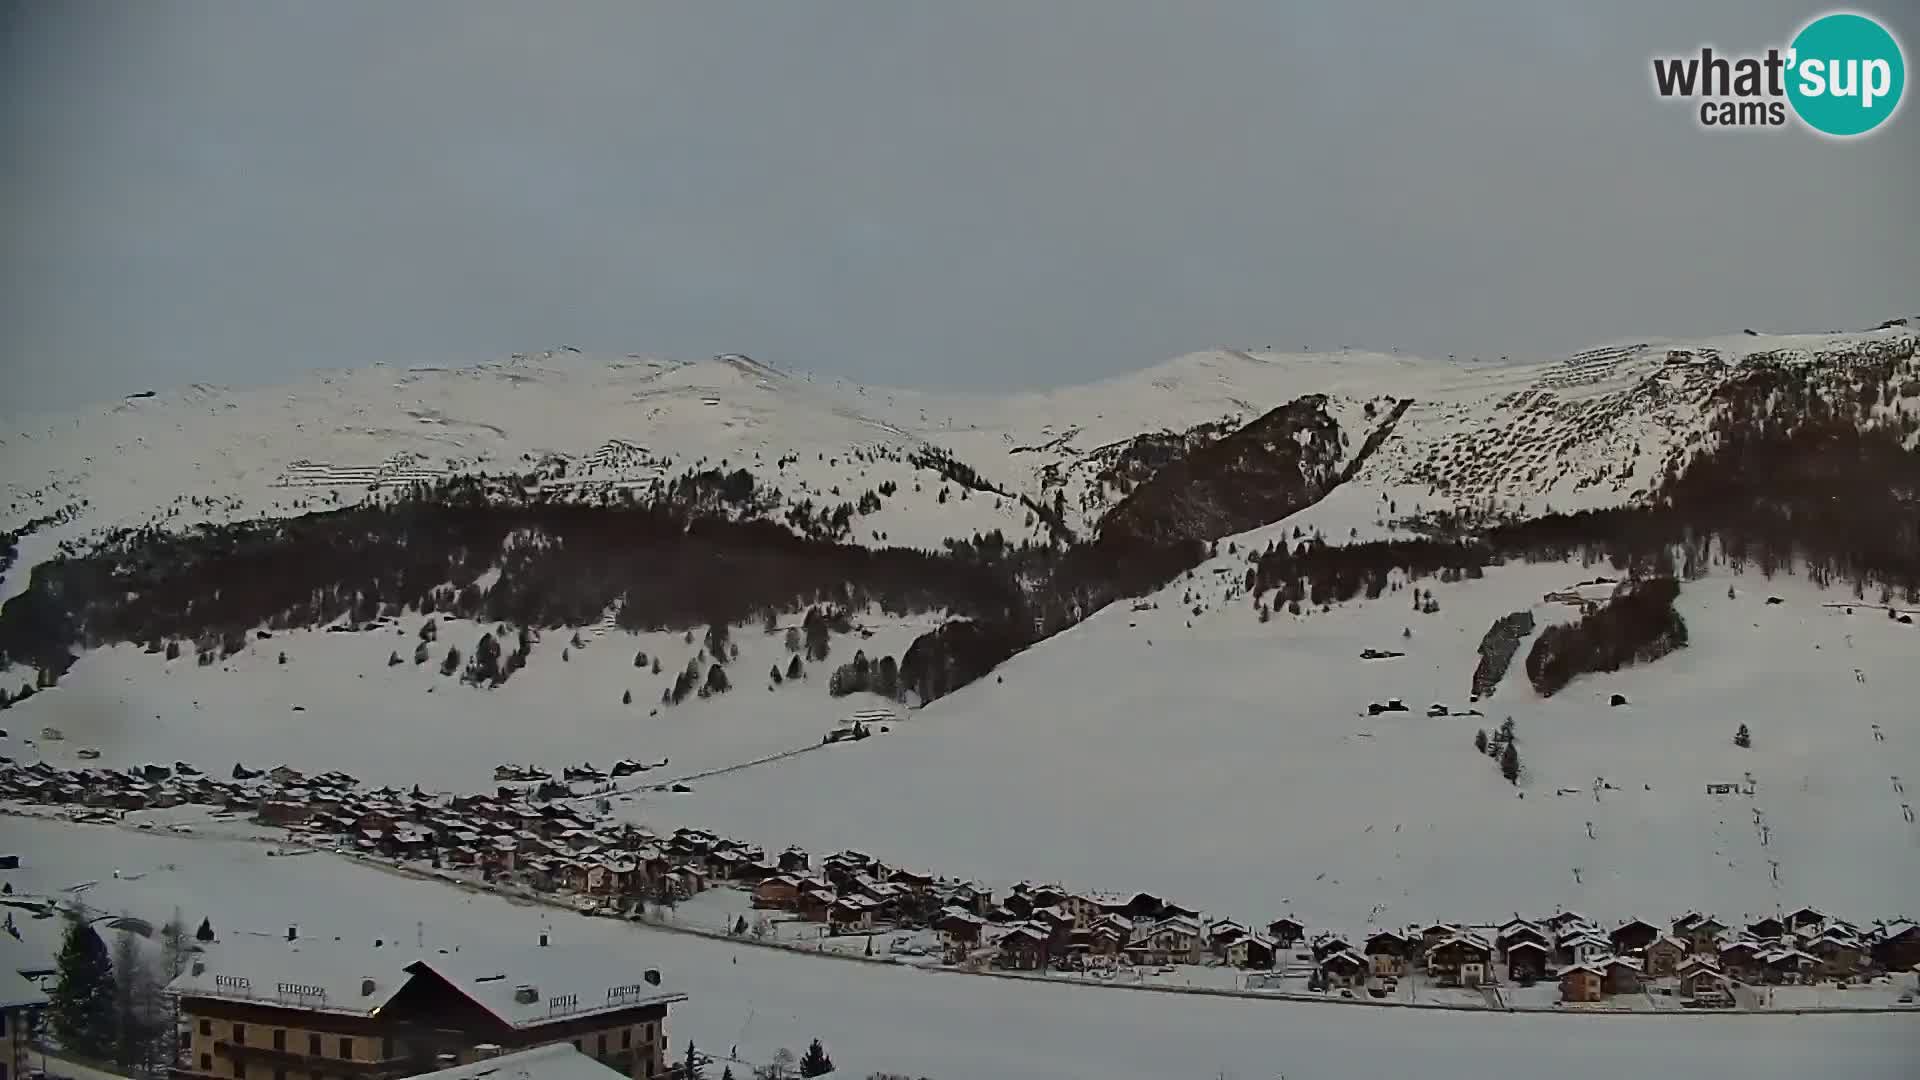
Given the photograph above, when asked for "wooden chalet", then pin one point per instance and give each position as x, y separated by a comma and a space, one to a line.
1460, 961
1624, 975
1285, 932
1741, 960
1387, 953
1664, 955
1700, 979
1254, 952
1582, 983
1344, 968
1896, 946
1630, 937
1023, 948
1527, 961
780, 892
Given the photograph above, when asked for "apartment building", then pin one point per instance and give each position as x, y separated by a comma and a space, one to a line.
265, 1010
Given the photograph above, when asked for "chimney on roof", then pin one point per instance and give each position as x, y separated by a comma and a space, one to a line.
525, 994
293, 933
652, 976
199, 968
487, 1050
543, 941
366, 987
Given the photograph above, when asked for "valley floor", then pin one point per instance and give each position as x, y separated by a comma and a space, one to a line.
1229, 765
745, 1002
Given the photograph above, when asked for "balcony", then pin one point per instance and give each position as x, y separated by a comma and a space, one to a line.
318, 1063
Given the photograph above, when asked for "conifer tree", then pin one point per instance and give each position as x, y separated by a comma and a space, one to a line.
815, 1061
82, 1003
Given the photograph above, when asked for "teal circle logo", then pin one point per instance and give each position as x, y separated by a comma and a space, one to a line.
1845, 74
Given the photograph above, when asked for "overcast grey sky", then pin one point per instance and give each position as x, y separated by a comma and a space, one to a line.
966, 194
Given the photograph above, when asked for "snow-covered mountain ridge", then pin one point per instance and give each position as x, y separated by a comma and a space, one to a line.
1595, 429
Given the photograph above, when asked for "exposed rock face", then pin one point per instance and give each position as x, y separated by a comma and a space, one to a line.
1497, 650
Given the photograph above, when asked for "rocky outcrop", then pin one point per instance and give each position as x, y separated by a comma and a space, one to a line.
1282, 462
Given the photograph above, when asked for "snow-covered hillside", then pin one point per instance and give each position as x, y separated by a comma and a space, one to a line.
1594, 429
1234, 765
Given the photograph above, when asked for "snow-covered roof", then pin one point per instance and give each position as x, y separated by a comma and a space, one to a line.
17, 991
556, 1061
587, 980
331, 978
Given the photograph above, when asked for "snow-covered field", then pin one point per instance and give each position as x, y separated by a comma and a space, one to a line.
944, 1026
1231, 766
337, 704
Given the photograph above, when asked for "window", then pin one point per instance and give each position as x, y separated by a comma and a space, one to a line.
279, 1074
346, 1048
626, 1038
577, 1046
239, 1068
313, 1046
386, 1048
279, 1042
239, 1034
206, 1027
206, 1063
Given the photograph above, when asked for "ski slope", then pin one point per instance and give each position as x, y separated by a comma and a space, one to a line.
1231, 766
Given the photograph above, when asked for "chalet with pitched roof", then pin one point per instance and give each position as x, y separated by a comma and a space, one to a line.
269, 1008
1344, 968
1632, 936
1387, 953
1285, 932
1023, 948
1527, 961
1664, 955
1254, 952
1582, 983
1623, 975
1463, 960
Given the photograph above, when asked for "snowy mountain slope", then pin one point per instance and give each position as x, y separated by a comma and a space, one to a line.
1232, 763
337, 703
1596, 429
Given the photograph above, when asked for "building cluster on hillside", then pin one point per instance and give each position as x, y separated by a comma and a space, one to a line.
617, 868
